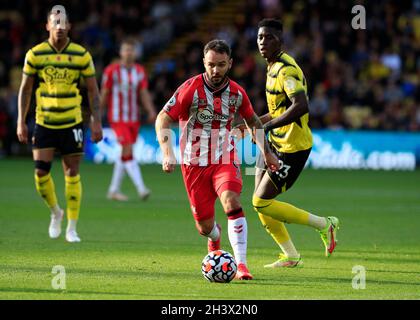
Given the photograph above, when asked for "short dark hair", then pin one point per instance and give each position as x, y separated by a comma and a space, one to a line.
271, 23
220, 46
130, 41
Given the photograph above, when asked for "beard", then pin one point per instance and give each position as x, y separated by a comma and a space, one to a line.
219, 81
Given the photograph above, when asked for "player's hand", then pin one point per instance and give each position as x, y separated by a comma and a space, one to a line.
168, 163
96, 131
272, 161
22, 132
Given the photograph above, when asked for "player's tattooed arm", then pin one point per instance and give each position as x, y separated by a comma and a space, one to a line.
164, 135
297, 109
94, 105
24, 101
256, 128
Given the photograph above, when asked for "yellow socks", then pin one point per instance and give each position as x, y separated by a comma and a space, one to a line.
276, 229
280, 211
279, 233
73, 196
46, 189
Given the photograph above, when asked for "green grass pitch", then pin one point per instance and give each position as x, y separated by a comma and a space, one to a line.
151, 250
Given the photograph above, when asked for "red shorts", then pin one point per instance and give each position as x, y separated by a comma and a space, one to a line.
205, 184
126, 132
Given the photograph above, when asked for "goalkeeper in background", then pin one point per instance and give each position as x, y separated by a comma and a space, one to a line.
57, 64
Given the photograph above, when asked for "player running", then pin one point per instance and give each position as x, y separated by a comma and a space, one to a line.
291, 139
125, 83
58, 64
205, 106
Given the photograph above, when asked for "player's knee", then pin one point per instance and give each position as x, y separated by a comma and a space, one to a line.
231, 204
127, 151
259, 204
42, 168
230, 201
203, 230
71, 172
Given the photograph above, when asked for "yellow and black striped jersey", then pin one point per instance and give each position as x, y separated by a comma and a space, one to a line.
58, 100
284, 80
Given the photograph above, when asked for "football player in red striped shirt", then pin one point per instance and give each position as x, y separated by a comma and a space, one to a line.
205, 106
124, 85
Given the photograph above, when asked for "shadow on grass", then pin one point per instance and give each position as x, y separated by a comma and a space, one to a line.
302, 281
140, 272
64, 294
294, 278
61, 292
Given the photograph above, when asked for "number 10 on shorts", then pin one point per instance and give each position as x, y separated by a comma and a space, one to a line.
78, 135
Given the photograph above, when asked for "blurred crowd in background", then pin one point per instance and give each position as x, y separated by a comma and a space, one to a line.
357, 79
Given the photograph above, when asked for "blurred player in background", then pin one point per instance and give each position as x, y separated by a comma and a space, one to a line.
58, 64
290, 138
125, 83
205, 106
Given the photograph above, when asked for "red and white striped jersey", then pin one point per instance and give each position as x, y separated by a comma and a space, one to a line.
124, 85
205, 116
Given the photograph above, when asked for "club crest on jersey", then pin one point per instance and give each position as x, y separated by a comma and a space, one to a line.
232, 101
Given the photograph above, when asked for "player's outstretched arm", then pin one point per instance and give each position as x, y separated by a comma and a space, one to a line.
255, 128
265, 118
163, 133
94, 105
297, 109
240, 129
24, 101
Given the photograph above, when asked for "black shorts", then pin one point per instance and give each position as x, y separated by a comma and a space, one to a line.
67, 141
293, 164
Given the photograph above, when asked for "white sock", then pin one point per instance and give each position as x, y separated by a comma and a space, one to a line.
55, 210
71, 225
214, 235
317, 222
289, 249
134, 172
117, 176
238, 233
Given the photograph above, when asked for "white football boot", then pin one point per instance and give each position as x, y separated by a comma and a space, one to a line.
144, 194
54, 229
71, 236
118, 196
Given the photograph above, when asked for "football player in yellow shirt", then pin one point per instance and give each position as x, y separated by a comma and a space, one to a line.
58, 64
290, 137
